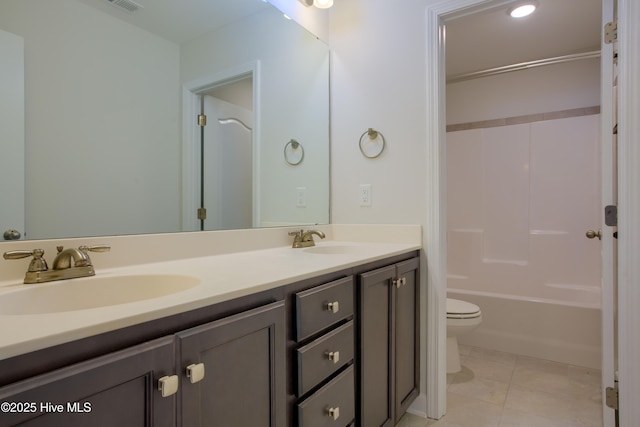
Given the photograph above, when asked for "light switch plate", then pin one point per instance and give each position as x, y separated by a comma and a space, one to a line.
301, 197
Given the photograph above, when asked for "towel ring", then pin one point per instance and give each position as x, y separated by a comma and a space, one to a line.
372, 146
293, 152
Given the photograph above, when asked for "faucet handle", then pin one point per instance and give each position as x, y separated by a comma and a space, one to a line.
37, 263
95, 248
297, 235
85, 248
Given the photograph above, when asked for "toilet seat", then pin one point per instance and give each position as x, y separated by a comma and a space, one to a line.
457, 309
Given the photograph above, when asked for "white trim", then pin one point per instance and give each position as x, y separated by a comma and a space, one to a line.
190, 131
629, 210
190, 164
257, 146
435, 222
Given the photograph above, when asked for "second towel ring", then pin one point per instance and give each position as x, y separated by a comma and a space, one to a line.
293, 152
372, 146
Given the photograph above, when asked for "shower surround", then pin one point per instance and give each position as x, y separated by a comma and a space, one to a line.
520, 199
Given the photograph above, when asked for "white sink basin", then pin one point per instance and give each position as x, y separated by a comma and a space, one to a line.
92, 292
332, 250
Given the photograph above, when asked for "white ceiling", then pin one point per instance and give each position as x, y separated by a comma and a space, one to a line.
492, 38
182, 20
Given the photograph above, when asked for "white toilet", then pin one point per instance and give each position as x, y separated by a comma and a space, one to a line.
462, 317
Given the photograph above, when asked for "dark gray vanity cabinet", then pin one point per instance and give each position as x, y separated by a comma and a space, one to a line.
118, 389
227, 372
337, 350
233, 370
388, 334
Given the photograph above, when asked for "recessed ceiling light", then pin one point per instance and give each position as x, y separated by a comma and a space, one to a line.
523, 9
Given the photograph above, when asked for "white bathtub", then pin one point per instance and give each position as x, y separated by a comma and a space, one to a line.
568, 332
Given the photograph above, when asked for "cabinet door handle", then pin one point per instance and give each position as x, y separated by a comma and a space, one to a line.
334, 356
334, 412
195, 372
168, 385
333, 307
399, 282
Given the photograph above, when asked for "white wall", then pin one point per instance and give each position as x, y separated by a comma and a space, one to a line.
539, 90
378, 81
101, 71
299, 112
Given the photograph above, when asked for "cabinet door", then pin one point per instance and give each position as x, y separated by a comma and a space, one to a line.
375, 301
118, 389
243, 357
407, 350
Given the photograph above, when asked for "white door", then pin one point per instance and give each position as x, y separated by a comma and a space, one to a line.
12, 186
609, 198
228, 165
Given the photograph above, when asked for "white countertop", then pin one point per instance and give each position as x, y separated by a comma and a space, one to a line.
222, 277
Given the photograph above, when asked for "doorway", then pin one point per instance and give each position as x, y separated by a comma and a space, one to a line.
226, 153
435, 234
221, 187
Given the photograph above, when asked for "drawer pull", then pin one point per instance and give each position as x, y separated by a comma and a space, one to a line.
195, 372
334, 413
334, 356
333, 307
168, 385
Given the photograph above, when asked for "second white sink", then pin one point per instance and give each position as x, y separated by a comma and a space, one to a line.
92, 292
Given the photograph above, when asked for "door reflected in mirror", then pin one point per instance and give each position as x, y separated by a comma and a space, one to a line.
111, 102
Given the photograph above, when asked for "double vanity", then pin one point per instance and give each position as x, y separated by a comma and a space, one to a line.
227, 328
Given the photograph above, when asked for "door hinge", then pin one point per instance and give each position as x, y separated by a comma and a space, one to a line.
611, 215
202, 213
611, 32
612, 397
202, 120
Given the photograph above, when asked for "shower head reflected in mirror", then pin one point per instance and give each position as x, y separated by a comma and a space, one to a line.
227, 120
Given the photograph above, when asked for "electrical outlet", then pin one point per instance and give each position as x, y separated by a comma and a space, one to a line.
301, 197
365, 195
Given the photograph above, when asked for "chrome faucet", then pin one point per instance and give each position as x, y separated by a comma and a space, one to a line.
68, 264
304, 239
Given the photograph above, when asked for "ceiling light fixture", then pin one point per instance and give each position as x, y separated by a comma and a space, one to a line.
522, 9
320, 4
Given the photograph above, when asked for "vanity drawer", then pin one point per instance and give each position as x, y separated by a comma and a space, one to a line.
331, 406
322, 306
324, 356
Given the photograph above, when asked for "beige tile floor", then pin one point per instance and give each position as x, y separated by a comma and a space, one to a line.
498, 389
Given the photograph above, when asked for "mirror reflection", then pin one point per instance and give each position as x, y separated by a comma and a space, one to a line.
104, 108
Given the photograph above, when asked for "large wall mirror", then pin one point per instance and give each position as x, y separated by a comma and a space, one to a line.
113, 142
